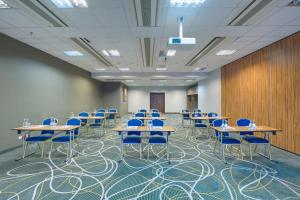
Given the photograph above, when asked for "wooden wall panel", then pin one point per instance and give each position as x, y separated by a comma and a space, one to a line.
265, 86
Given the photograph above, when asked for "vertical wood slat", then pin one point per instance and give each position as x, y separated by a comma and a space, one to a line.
265, 86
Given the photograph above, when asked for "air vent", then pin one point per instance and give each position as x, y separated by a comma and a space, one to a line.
210, 46
38, 8
147, 48
146, 12
84, 44
249, 12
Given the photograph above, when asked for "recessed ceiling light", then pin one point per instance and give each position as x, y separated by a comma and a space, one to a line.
129, 81
192, 76
3, 4
73, 53
124, 69
160, 76
225, 52
70, 3
171, 53
189, 80
100, 69
104, 76
127, 76
162, 81
161, 69
114, 52
186, 3
105, 52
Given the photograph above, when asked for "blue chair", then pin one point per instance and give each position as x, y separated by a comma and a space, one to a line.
154, 110
98, 123
158, 137
155, 114
112, 115
132, 137
185, 116
224, 139
251, 139
198, 123
44, 137
83, 121
65, 139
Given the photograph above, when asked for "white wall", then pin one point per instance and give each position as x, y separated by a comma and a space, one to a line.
139, 97
209, 93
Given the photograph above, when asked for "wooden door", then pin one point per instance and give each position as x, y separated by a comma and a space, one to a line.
157, 100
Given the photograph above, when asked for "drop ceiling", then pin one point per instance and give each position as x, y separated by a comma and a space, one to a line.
139, 31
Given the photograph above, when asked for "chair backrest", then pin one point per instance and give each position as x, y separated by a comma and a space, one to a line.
218, 122
134, 122
83, 114
197, 121
99, 114
143, 110
212, 114
154, 110
114, 110
185, 110
243, 122
155, 114
101, 110
47, 122
157, 122
74, 122
139, 114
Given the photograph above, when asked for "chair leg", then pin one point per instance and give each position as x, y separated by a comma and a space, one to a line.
43, 147
25, 149
141, 151
250, 151
255, 148
269, 149
230, 150
77, 143
148, 148
223, 153
215, 146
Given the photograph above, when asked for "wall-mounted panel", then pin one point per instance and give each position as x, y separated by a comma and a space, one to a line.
265, 86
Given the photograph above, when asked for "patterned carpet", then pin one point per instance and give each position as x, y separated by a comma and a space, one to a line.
195, 172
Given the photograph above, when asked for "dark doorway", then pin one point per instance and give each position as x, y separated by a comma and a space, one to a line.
157, 100
192, 101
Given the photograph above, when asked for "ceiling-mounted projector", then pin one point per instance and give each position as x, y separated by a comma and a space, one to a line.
181, 40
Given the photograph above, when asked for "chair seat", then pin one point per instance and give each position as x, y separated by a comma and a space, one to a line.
246, 133
256, 140
65, 138
157, 140
201, 125
37, 138
229, 140
132, 140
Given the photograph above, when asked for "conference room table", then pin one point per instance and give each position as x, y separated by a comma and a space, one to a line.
26, 131
144, 130
266, 130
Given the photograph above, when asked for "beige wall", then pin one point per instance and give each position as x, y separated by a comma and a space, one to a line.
34, 84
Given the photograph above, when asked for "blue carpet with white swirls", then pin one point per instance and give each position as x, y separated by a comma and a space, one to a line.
195, 172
